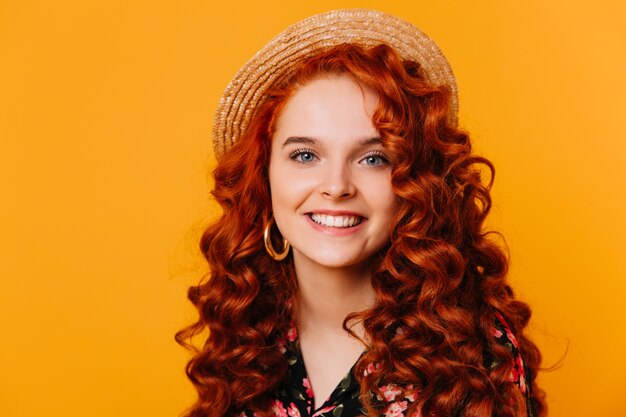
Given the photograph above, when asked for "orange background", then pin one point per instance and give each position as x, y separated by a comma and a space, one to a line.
105, 118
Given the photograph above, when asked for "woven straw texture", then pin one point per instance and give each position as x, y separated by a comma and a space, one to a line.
275, 61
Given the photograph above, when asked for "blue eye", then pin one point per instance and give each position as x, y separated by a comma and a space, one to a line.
304, 156
375, 160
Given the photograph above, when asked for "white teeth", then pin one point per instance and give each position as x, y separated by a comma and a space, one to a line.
335, 221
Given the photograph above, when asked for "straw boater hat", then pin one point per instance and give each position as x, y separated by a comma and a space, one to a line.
277, 59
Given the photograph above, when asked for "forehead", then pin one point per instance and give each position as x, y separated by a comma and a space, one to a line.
328, 107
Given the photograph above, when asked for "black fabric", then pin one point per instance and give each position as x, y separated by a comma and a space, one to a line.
295, 397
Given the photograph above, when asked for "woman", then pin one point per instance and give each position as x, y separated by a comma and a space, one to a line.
351, 240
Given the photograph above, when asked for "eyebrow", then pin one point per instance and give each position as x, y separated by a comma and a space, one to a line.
300, 139
372, 141
313, 141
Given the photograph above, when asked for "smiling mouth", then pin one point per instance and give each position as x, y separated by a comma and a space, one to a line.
335, 221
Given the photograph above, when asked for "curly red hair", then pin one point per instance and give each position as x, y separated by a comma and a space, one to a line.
440, 279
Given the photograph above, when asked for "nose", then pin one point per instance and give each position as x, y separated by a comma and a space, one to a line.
337, 183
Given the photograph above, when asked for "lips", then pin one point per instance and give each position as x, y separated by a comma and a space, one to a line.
338, 221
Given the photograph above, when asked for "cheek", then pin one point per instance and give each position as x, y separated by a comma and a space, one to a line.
389, 211
381, 195
288, 197
288, 190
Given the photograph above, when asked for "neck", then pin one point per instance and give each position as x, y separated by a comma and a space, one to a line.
327, 295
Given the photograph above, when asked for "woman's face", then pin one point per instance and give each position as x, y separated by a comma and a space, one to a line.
330, 177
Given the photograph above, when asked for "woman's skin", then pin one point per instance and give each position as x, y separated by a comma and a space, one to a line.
328, 166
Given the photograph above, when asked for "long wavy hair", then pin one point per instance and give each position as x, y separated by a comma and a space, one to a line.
441, 279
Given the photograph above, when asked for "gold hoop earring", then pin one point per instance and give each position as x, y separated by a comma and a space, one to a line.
268, 243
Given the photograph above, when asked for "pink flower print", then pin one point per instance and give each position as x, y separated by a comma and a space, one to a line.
292, 333
371, 368
509, 334
396, 409
512, 338
324, 410
497, 333
279, 409
410, 393
307, 385
520, 366
293, 411
520, 373
390, 392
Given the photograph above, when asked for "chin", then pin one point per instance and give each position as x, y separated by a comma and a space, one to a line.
337, 264
335, 260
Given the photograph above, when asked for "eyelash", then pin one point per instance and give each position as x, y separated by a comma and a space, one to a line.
298, 152
377, 154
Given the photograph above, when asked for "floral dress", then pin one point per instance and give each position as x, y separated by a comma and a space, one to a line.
295, 397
